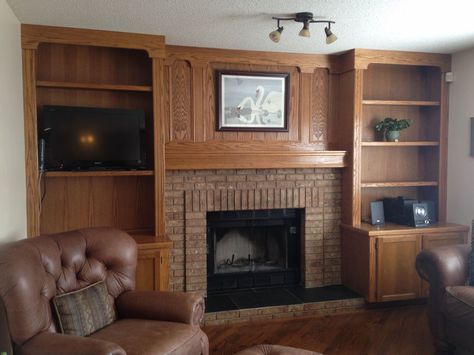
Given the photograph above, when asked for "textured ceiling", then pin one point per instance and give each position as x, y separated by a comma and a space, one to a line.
416, 25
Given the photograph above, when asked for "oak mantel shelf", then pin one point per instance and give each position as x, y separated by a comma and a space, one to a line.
180, 156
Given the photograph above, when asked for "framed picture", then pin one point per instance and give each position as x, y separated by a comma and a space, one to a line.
250, 101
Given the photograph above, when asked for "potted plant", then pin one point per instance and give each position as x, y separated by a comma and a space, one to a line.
391, 128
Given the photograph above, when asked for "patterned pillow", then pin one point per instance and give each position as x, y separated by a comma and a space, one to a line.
85, 311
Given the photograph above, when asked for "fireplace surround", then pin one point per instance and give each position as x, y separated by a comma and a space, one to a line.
191, 194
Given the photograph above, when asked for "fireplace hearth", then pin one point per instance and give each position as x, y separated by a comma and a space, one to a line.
253, 249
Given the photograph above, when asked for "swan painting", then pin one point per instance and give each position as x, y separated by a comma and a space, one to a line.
249, 101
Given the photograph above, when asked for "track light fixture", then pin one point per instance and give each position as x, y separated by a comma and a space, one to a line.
275, 35
306, 18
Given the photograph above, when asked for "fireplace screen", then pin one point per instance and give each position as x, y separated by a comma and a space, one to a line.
249, 249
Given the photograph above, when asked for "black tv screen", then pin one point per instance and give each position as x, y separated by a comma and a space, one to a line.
92, 138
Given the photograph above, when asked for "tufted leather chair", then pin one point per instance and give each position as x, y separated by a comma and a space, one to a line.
33, 271
451, 302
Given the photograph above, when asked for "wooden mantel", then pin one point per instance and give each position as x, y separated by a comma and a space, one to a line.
237, 155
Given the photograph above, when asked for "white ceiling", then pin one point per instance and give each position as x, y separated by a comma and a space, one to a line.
416, 25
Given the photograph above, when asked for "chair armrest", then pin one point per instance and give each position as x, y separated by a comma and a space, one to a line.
168, 306
54, 343
5, 340
444, 266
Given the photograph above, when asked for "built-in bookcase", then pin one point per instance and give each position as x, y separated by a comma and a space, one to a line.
411, 167
93, 76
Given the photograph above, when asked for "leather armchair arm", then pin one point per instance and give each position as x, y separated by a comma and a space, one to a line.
444, 266
47, 343
168, 306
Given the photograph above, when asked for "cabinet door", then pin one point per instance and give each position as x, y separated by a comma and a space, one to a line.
397, 278
435, 240
152, 270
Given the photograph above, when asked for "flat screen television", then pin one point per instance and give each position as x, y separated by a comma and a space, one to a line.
87, 138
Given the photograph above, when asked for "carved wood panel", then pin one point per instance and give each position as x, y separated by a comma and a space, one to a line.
190, 102
180, 94
320, 104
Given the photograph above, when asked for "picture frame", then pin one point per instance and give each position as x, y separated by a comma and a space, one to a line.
252, 101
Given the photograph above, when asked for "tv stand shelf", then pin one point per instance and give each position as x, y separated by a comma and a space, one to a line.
92, 86
92, 173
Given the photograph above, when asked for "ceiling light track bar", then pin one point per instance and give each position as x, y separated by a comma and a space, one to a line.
306, 18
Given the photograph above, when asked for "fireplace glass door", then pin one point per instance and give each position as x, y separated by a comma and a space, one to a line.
251, 249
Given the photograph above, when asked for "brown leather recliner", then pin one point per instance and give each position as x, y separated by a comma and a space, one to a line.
33, 271
451, 302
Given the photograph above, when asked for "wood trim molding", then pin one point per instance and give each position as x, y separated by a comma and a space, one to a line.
364, 57
189, 156
33, 199
159, 153
33, 35
197, 56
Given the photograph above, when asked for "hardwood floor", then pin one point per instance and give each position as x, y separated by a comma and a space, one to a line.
397, 331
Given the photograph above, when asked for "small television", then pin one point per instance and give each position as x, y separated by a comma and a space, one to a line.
87, 138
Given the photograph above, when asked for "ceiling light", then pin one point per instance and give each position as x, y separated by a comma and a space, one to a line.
330, 37
306, 18
305, 30
275, 35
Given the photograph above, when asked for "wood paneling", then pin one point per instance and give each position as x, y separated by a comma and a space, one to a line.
397, 278
398, 82
214, 155
190, 99
99, 65
33, 202
379, 261
33, 35
78, 202
305, 63
362, 58
159, 146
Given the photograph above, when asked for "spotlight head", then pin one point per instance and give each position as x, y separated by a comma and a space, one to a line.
275, 35
305, 30
330, 37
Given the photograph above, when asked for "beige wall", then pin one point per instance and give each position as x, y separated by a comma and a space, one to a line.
12, 161
460, 163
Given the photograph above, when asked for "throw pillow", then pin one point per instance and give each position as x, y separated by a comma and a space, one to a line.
85, 311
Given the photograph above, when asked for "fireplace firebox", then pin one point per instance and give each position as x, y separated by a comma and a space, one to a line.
252, 249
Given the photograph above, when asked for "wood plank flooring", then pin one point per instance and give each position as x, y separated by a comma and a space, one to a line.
397, 331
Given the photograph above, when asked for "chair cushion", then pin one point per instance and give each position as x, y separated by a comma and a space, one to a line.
137, 336
85, 311
459, 315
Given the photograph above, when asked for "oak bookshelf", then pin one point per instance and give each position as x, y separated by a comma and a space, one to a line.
89, 68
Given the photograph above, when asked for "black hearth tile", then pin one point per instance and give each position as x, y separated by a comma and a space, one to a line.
219, 303
264, 298
319, 294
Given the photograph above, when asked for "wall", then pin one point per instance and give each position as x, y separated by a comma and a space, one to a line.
460, 163
12, 167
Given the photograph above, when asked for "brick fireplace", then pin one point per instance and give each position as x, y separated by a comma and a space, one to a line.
190, 194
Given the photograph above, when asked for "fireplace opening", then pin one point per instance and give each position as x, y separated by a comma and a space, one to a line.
252, 249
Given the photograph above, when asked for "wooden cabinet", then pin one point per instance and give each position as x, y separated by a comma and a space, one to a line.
153, 263
395, 267
379, 262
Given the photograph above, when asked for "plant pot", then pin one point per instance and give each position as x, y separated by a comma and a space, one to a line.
392, 136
